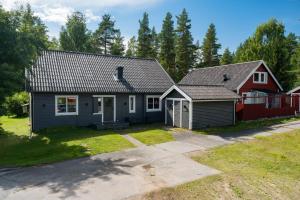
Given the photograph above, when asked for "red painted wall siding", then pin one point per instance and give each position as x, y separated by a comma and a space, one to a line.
249, 85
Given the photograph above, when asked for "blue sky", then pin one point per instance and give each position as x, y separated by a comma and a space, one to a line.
235, 20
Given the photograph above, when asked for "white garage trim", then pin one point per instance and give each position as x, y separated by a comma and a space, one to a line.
174, 87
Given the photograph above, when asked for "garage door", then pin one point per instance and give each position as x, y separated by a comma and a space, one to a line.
173, 117
212, 114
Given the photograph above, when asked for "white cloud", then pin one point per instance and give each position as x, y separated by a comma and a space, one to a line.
90, 16
76, 4
57, 14
57, 11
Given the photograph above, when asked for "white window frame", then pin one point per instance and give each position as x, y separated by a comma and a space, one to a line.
66, 113
260, 81
153, 109
101, 112
134, 104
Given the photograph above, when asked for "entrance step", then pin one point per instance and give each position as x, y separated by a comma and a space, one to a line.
112, 125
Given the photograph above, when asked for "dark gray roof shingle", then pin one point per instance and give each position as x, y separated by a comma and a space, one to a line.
60, 71
208, 92
214, 75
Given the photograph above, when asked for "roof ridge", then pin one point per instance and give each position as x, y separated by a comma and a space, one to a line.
228, 65
98, 54
215, 85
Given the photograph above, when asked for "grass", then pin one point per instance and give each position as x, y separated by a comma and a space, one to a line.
265, 168
151, 134
246, 125
53, 144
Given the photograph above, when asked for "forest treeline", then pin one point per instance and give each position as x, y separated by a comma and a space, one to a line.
23, 36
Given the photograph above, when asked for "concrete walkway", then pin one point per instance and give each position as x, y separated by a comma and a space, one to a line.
118, 175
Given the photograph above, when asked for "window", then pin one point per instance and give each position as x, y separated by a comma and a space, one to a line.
153, 103
66, 105
131, 104
260, 77
255, 97
97, 105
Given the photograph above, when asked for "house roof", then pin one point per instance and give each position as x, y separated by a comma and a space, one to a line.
203, 92
293, 90
61, 71
237, 73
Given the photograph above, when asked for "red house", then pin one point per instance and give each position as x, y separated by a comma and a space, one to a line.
261, 94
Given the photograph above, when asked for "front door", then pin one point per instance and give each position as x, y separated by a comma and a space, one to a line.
108, 109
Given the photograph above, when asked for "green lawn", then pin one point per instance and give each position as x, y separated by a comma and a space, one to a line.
52, 145
265, 168
246, 125
150, 134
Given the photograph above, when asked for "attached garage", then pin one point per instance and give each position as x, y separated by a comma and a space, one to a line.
196, 107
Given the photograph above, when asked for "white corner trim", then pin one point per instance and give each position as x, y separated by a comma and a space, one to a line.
134, 104
293, 90
153, 109
66, 113
254, 70
174, 87
190, 115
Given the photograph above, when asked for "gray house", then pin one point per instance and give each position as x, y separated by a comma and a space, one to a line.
199, 106
81, 89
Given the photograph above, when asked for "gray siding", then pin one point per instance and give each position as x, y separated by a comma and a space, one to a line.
177, 113
175, 94
43, 111
185, 114
211, 114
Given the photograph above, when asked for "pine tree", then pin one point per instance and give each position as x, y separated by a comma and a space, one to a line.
117, 47
105, 35
75, 35
227, 57
154, 43
167, 45
210, 47
131, 47
184, 45
144, 38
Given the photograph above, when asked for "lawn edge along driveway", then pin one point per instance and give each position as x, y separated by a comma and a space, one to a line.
53, 144
246, 125
151, 136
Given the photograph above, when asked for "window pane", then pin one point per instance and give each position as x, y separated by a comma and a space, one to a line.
256, 77
156, 103
71, 104
262, 77
150, 103
99, 105
61, 105
131, 103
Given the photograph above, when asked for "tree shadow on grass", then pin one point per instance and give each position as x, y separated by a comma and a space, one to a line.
64, 177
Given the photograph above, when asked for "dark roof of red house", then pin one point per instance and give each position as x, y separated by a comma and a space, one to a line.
231, 76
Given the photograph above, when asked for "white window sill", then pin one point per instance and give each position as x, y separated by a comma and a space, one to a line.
65, 114
97, 113
156, 110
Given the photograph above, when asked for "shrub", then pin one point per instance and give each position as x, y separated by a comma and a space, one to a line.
13, 104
